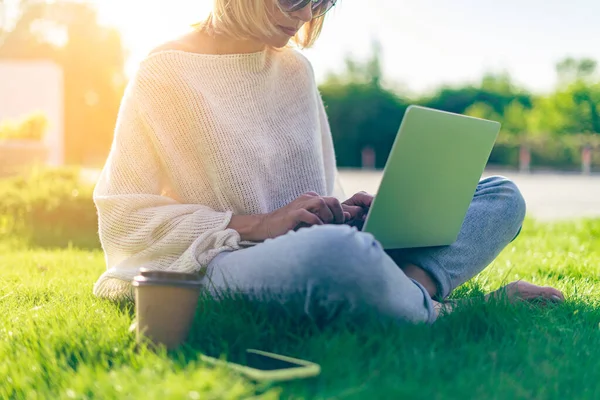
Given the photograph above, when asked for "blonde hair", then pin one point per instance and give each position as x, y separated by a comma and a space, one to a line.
252, 20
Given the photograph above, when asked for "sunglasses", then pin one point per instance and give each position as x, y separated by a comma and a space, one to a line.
319, 7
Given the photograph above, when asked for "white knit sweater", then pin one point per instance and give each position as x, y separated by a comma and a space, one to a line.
198, 139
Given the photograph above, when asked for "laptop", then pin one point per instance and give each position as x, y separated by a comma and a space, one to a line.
430, 177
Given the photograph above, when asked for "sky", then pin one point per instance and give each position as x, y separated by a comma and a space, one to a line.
425, 43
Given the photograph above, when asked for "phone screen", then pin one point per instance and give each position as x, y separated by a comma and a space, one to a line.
265, 363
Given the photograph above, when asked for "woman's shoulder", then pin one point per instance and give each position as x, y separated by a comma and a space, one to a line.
169, 52
303, 59
163, 74
190, 42
167, 63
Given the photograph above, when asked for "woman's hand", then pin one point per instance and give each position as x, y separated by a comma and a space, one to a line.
307, 210
357, 207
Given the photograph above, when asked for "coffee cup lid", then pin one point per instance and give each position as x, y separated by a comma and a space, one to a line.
171, 278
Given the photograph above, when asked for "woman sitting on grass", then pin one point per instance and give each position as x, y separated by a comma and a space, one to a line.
223, 163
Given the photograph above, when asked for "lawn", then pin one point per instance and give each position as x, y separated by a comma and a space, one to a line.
58, 341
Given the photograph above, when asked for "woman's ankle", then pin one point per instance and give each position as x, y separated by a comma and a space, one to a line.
421, 276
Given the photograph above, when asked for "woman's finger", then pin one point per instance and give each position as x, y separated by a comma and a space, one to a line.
336, 209
318, 206
362, 199
308, 218
355, 212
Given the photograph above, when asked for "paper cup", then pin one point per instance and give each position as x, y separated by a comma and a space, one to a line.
165, 306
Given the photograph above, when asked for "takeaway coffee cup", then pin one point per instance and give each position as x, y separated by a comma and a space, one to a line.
165, 305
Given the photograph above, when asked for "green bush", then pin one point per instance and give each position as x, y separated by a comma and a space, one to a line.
505, 155
30, 127
50, 207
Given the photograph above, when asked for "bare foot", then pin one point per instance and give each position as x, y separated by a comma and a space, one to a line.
525, 291
513, 292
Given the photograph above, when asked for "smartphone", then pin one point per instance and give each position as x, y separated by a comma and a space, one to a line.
263, 366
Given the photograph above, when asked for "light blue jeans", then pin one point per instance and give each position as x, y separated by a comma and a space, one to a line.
331, 265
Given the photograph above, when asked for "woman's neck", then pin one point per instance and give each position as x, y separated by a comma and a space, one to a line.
232, 46
214, 43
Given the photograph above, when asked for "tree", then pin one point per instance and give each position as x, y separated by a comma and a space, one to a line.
92, 58
571, 70
361, 112
484, 111
3, 19
497, 91
577, 97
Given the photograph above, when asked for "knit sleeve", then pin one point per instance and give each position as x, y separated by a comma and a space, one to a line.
139, 226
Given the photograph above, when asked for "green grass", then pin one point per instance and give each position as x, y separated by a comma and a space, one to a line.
58, 341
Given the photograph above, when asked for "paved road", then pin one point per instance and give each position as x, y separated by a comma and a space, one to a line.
549, 196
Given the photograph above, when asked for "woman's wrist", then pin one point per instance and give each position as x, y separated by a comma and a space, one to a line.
250, 227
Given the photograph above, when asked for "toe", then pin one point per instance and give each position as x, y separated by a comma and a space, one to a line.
551, 294
555, 294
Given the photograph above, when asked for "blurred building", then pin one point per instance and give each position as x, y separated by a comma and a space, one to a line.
35, 86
